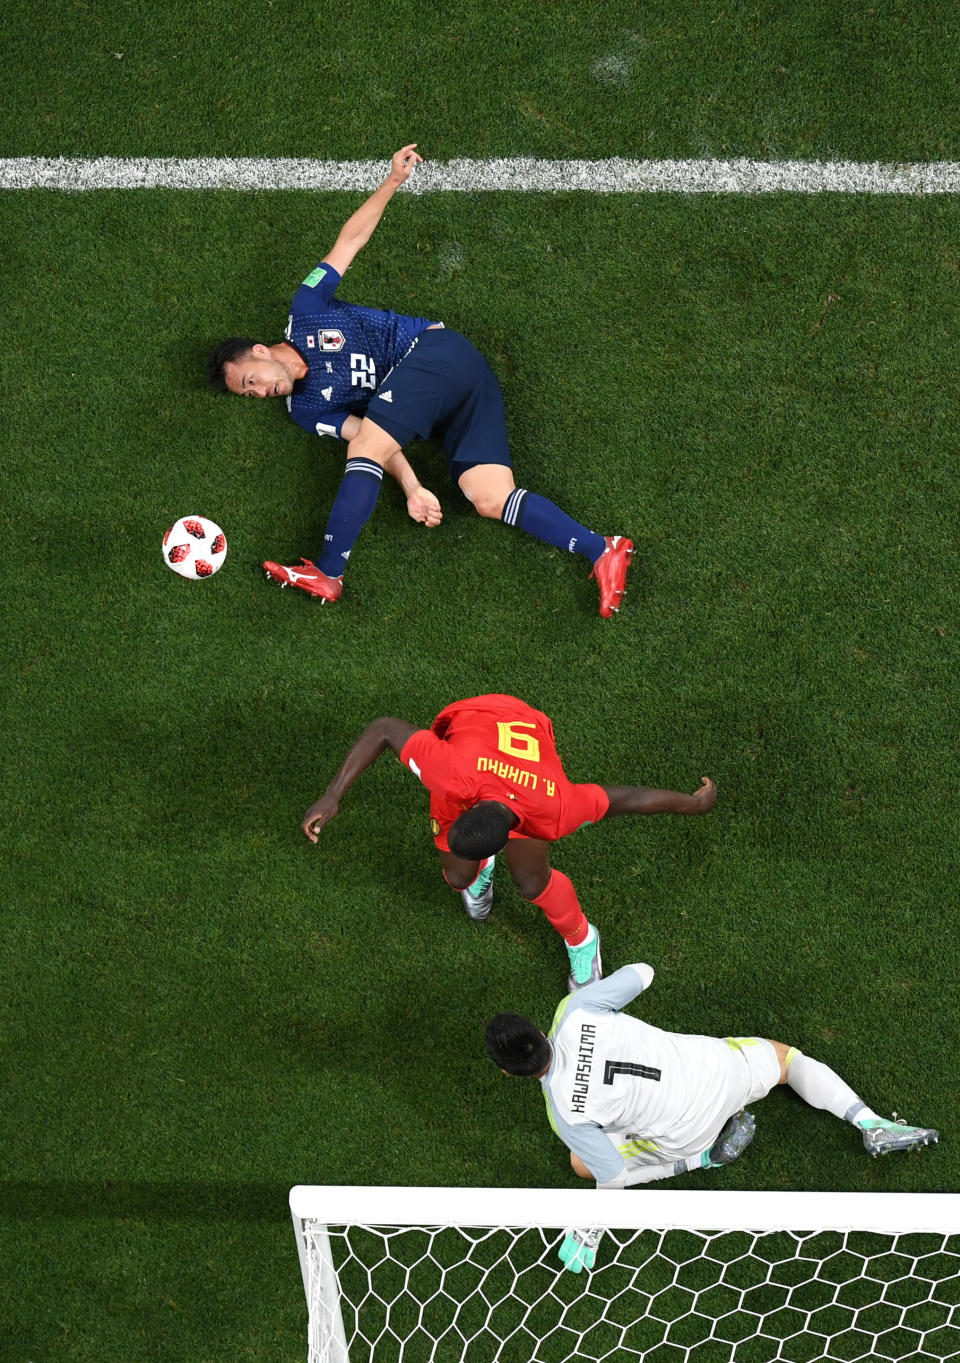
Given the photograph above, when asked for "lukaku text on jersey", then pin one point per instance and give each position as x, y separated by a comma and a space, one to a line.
499, 748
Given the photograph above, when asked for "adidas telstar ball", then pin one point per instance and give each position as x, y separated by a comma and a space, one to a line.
194, 547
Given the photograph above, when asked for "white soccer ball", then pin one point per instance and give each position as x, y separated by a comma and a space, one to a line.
194, 547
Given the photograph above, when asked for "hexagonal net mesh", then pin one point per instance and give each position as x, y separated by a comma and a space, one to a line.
380, 1291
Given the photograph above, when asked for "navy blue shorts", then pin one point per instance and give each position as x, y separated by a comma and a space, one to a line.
444, 387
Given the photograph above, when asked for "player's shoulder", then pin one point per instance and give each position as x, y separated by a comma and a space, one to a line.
419, 748
494, 703
317, 289
418, 737
566, 1009
323, 276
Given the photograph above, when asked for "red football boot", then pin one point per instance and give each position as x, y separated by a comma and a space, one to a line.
610, 570
308, 578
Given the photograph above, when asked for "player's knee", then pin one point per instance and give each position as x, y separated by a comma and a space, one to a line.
459, 880
361, 449
487, 487
578, 1166
783, 1055
489, 505
530, 881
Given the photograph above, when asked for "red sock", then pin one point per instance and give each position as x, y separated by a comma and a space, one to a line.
562, 907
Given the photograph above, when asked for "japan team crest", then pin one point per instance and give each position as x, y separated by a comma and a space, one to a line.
331, 339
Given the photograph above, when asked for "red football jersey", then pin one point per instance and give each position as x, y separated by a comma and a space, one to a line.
499, 748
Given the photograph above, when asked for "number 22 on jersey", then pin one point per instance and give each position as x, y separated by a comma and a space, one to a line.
363, 371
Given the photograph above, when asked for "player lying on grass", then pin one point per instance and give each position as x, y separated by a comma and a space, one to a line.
378, 380
635, 1104
496, 781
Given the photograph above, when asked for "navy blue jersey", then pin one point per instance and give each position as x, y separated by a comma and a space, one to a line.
349, 349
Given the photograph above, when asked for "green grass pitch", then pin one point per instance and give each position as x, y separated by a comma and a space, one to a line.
199, 1009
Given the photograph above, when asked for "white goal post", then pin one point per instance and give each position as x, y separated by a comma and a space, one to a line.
472, 1275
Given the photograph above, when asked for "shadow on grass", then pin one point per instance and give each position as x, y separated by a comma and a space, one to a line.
185, 1201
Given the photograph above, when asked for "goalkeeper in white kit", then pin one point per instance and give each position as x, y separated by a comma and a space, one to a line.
635, 1104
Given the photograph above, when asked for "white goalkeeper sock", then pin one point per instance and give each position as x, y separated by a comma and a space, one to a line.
820, 1086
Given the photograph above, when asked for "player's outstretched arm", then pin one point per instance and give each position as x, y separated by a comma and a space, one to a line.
647, 800
359, 228
383, 733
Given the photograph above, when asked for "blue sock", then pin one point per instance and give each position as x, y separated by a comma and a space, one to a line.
352, 507
528, 511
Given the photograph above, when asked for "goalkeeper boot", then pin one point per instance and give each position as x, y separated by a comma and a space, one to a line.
881, 1137
308, 578
610, 570
477, 899
733, 1139
579, 1248
585, 964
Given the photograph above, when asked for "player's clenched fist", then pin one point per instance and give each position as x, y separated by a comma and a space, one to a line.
319, 814
424, 507
404, 161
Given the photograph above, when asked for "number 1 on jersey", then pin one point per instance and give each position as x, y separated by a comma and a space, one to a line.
614, 1067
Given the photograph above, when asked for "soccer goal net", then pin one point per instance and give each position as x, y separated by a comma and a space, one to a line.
472, 1275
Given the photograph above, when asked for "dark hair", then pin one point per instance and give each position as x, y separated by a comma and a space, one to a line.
225, 353
516, 1044
481, 831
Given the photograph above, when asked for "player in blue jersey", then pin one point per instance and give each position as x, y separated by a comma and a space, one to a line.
379, 379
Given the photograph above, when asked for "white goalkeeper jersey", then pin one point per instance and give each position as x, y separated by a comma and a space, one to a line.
618, 1089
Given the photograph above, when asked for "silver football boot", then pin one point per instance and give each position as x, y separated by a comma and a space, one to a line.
478, 900
733, 1139
887, 1137
586, 967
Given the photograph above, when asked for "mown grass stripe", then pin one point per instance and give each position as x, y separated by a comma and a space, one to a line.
616, 176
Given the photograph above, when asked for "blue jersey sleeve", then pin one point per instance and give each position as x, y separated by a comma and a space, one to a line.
320, 421
316, 290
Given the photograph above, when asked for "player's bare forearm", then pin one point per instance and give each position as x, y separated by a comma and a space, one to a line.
381, 734
648, 800
360, 226
398, 466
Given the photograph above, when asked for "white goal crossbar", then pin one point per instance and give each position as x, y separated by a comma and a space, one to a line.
472, 1275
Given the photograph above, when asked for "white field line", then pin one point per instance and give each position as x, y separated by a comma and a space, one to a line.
615, 176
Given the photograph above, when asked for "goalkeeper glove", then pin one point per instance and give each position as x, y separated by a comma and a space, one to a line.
579, 1249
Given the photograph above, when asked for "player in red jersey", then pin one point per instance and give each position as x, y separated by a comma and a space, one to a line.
496, 781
